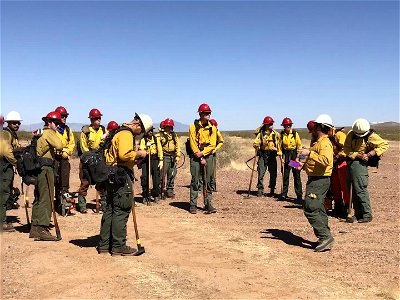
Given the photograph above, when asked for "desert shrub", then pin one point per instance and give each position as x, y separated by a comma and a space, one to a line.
228, 153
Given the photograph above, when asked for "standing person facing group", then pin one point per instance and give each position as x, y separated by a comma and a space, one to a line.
202, 139
268, 146
90, 138
291, 143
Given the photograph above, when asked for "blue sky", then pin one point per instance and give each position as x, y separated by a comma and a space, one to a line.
246, 60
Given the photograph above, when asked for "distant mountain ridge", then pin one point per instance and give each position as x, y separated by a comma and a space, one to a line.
179, 127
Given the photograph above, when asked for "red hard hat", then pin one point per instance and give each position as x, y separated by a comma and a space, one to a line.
169, 122
53, 115
310, 126
268, 120
62, 110
1, 120
214, 122
112, 125
204, 108
94, 113
287, 121
162, 124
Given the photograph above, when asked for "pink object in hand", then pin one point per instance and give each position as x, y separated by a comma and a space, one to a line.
294, 164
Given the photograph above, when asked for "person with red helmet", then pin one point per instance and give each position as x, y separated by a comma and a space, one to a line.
112, 125
171, 154
48, 143
90, 139
220, 143
268, 146
62, 167
200, 146
291, 142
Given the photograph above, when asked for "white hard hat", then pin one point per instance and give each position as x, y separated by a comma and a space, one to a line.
324, 120
146, 121
13, 116
361, 127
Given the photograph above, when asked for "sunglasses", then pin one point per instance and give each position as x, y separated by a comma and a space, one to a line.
15, 123
269, 124
64, 116
95, 119
287, 126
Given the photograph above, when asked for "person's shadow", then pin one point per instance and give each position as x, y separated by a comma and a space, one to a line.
246, 192
180, 205
89, 242
288, 238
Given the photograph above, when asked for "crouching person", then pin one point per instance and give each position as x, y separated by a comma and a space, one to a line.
122, 156
47, 145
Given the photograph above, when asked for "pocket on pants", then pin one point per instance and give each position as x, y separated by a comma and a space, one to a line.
311, 205
123, 201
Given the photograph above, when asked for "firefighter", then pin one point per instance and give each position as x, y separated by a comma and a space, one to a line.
291, 142
111, 126
220, 143
318, 166
90, 139
122, 155
151, 144
62, 166
338, 190
268, 146
8, 142
362, 145
47, 145
13, 120
171, 153
202, 140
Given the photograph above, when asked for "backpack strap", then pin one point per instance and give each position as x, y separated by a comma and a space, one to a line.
68, 132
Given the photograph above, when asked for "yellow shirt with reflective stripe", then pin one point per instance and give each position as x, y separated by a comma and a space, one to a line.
93, 140
154, 149
122, 151
270, 141
354, 145
291, 142
206, 138
320, 160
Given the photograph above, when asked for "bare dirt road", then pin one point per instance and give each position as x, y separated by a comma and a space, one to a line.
257, 248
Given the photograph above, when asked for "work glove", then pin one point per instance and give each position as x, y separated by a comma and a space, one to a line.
177, 159
148, 144
160, 164
65, 155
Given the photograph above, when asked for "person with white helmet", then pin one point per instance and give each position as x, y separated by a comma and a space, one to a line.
122, 155
9, 142
318, 166
362, 146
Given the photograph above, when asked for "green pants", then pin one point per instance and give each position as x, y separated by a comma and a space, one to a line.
213, 177
170, 172
155, 176
115, 218
267, 160
358, 176
41, 207
197, 172
5, 188
291, 155
314, 210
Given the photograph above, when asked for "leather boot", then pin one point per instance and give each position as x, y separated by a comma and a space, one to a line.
45, 235
81, 207
34, 233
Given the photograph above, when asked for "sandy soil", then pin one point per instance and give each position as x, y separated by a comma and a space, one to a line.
256, 248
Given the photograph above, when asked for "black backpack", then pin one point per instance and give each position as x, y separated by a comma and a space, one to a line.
94, 166
28, 163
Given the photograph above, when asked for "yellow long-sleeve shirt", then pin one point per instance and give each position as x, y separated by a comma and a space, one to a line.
320, 159
154, 147
122, 151
48, 144
354, 145
268, 141
220, 141
6, 150
68, 141
91, 138
290, 141
338, 143
170, 143
205, 140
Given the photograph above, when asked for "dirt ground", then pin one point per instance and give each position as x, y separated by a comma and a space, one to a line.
257, 248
